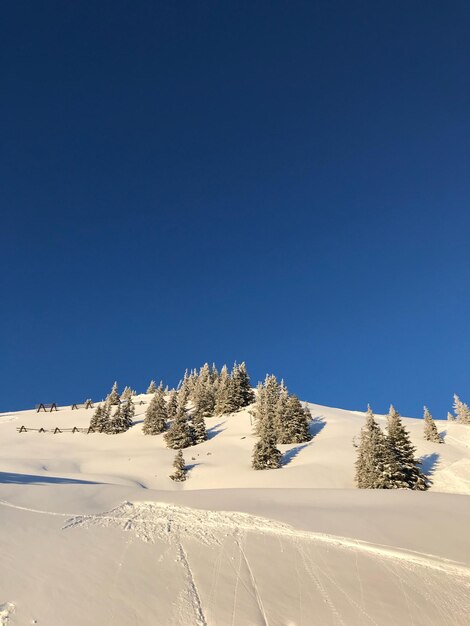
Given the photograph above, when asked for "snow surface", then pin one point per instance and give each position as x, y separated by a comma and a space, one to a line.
93, 531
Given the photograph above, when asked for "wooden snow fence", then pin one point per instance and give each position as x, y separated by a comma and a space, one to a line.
84, 405
54, 431
44, 407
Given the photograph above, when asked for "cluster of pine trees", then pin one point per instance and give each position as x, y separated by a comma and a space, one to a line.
181, 413
387, 460
110, 420
461, 410
280, 418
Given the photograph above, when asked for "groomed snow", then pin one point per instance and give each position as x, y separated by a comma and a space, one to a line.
93, 531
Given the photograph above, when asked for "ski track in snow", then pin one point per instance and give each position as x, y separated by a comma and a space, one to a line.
178, 525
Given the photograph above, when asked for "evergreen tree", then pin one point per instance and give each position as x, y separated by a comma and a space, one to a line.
96, 418
265, 453
203, 394
199, 426
375, 462
114, 395
117, 423
267, 399
126, 394
222, 400
128, 413
462, 410
180, 433
406, 469
172, 404
246, 392
180, 472
156, 415
430, 429
293, 424
152, 388
450, 417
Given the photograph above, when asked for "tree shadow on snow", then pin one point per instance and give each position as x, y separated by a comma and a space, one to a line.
191, 466
215, 430
292, 453
316, 425
31, 479
429, 463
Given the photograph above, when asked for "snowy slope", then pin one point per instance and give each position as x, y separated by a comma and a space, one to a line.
92, 530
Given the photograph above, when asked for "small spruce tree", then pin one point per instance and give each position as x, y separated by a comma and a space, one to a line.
113, 397
180, 433
462, 410
126, 394
407, 473
152, 388
450, 417
375, 462
199, 426
156, 415
179, 474
293, 422
430, 429
265, 453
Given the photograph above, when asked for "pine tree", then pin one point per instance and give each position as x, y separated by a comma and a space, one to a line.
172, 404
406, 470
430, 429
293, 424
96, 418
156, 415
128, 413
199, 426
267, 399
375, 462
117, 423
450, 417
179, 475
246, 391
203, 394
180, 433
222, 400
462, 410
152, 388
265, 453
126, 394
114, 395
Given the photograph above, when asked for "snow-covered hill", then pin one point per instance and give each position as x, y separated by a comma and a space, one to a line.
93, 531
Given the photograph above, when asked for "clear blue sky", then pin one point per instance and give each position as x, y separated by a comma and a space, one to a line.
285, 183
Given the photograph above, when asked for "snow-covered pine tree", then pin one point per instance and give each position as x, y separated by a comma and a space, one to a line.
375, 462
222, 399
265, 453
267, 398
462, 410
126, 394
113, 397
172, 404
199, 427
430, 429
117, 423
179, 475
293, 424
180, 433
128, 413
214, 375
156, 415
96, 418
152, 388
406, 471
203, 394
450, 417
246, 391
